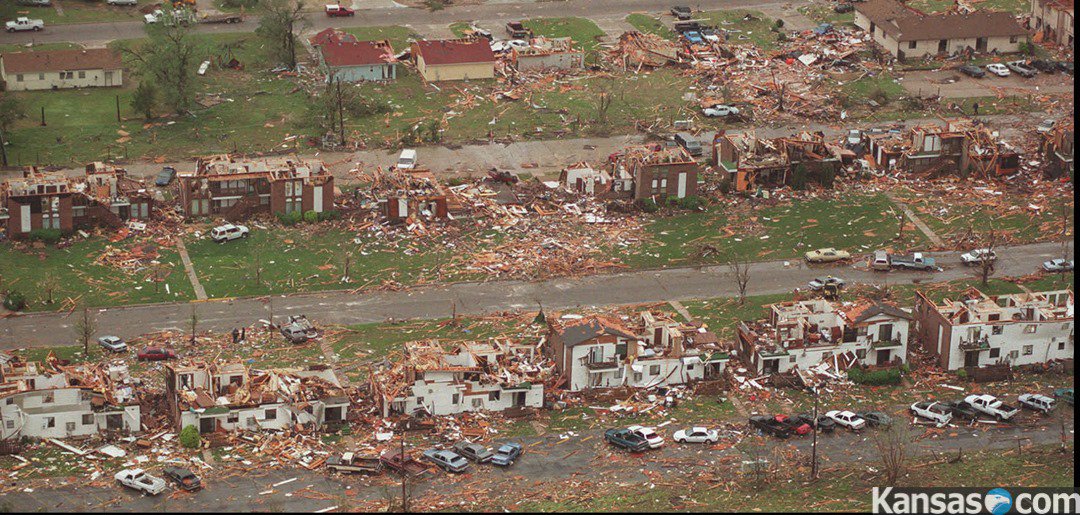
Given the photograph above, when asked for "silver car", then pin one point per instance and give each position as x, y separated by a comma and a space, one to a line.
1058, 265
112, 343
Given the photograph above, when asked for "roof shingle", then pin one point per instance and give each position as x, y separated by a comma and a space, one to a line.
61, 60
455, 51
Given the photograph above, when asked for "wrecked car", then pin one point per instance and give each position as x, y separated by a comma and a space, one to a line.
990, 405
403, 463
936, 412
876, 418
138, 479
352, 462
298, 329
1036, 402
626, 439
770, 425
184, 478
821, 282
474, 451
449, 461
846, 419
1065, 394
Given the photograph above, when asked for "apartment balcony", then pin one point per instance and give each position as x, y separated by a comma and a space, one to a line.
599, 367
977, 344
886, 344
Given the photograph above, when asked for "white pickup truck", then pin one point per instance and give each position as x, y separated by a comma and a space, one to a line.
23, 23
138, 479
990, 405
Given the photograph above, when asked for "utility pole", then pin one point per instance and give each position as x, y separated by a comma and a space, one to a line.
340, 115
42, 116
118, 109
3, 150
404, 474
813, 452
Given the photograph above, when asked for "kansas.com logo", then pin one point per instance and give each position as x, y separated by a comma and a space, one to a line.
997, 501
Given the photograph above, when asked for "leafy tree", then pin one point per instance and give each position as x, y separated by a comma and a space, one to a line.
144, 99
10, 110
280, 22
169, 59
189, 437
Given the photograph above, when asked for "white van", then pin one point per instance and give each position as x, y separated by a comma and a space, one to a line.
407, 159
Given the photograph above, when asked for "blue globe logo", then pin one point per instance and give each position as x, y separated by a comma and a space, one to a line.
998, 501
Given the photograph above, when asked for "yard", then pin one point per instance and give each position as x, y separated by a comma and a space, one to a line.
584, 32
744, 26
650, 25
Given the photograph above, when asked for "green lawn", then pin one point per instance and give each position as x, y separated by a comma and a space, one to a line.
757, 31
650, 25
824, 13
584, 32
1009, 214
79, 11
933, 6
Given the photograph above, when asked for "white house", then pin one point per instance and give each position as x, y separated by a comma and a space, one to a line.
61, 69
909, 33
472, 377
805, 333
229, 397
978, 330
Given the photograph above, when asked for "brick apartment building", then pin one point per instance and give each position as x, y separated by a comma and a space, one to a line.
234, 189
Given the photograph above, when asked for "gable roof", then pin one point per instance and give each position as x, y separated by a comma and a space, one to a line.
906, 24
61, 60
580, 331
865, 311
356, 53
455, 51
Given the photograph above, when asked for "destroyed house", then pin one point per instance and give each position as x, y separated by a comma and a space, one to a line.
754, 163
636, 50
977, 330
907, 33
1057, 150
429, 379
960, 147
1053, 21
57, 401
233, 188
230, 397
803, 334
412, 194
582, 178
548, 54
454, 59
344, 58
598, 351
104, 195
659, 173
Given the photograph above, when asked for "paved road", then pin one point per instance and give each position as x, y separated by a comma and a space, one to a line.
549, 462
51, 329
495, 13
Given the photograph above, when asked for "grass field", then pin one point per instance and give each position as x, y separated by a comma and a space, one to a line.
824, 13
757, 31
79, 11
650, 25
584, 32
398, 36
1012, 216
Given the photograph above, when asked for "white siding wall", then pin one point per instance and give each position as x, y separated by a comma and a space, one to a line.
1044, 344
49, 80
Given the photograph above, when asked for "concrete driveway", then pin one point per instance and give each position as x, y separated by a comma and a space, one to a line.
953, 84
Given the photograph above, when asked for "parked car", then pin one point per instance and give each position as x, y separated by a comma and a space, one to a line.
961, 409
36, 3
335, 10
403, 463
770, 425
690, 142
876, 418
1022, 69
681, 12
823, 423
880, 261
1065, 394
112, 343
1044, 66
649, 434
407, 159
998, 69
1037, 402
720, 111
449, 461
990, 405
795, 424
507, 454
165, 176
828, 280
978, 256
827, 255
1058, 265
1046, 126
853, 138
184, 478
846, 419
138, 479
122, 2
156, 354
916, 261
696, 435
228, 232
972, 71
474, 451
22, 23
626, 439
353, 462
936, 412
1065, 67
844, 8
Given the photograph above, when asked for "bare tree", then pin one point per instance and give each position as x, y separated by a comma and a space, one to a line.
85, 327
894, 448
48, 285
158, 274
347, 259
740, 271
986, 257
901, 221
279, 24
194, 321
256, 264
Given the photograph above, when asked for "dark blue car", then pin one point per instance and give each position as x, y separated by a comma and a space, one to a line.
165, 176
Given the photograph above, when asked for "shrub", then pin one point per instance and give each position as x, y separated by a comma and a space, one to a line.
725, 185
50, 236
890, 376
962, 374
189, 437
311, 217
648, 205
15, 301
290, 218
691, 203
779, 23
329, 215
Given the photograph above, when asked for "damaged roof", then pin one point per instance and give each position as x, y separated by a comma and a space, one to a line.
576, 332
357, 53
907, 24
455, 51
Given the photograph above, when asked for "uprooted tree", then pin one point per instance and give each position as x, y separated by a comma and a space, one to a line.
279, 24
168, 59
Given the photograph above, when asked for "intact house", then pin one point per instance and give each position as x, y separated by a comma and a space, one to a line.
548, 54
234, 188
1057, 147
959, 147
803, 334
659, 173
454, 59
344, 58
598, 351
1053, 21
908, 33
429, 379
49, 400
752, 163
103, 195
230, 397
978, 329
61, 69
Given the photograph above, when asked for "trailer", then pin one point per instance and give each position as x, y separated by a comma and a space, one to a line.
221, 18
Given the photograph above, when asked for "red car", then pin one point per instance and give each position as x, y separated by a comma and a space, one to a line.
338, 10
797, 426
156, 354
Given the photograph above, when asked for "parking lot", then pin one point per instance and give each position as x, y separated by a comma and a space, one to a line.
953, 84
